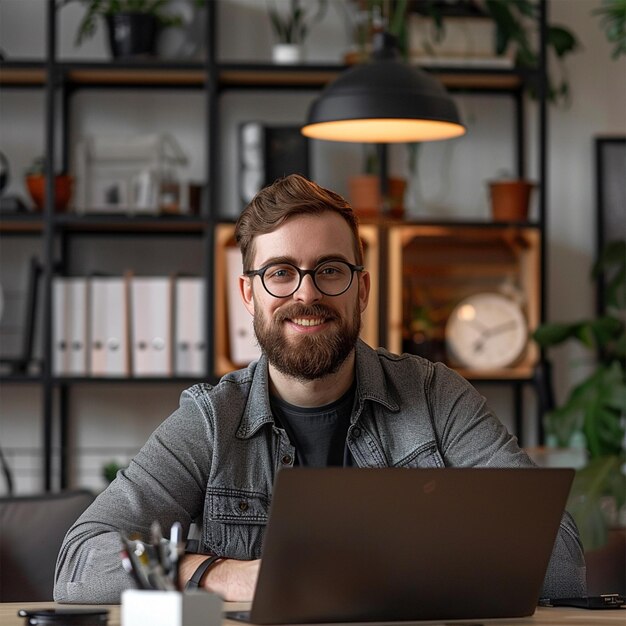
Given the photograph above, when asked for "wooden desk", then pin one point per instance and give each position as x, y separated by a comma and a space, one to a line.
542, 617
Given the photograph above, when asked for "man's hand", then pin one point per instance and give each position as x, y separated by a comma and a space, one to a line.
231, 579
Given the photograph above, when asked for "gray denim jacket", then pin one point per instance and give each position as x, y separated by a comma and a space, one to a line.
213, 463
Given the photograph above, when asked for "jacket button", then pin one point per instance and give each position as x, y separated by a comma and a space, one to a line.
356, 432
286, 460
243, 505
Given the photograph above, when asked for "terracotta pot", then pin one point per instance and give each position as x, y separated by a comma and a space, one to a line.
365, 195
63, 187
510, 200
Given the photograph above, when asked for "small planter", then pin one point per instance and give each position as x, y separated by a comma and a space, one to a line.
366, 199
510, 200
63, 187
287, 53
132, 35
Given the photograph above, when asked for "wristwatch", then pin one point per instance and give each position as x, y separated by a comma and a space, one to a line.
202, 569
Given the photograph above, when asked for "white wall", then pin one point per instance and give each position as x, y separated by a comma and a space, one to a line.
598, 86
116, 419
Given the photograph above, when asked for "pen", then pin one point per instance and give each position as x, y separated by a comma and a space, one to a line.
160, 545
128, 567
133, 552
176, 549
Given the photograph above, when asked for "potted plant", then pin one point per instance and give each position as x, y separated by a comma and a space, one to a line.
364, 189
510, 198
515, 22
132, 25
291, 28
593, 412
35, 179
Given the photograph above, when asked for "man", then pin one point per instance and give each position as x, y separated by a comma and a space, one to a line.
318, 396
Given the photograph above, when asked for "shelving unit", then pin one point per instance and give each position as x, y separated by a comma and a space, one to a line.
384, 239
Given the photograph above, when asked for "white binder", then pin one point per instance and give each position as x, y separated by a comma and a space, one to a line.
151, 326
243, 345
69, 326
190, 327
108, 327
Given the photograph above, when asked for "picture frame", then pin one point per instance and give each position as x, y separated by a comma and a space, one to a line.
610, 162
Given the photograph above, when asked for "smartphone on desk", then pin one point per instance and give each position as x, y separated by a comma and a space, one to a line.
65, 617
604, 601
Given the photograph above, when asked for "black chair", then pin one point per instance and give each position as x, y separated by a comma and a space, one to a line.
32, 529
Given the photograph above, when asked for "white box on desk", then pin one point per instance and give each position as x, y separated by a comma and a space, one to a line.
170, 608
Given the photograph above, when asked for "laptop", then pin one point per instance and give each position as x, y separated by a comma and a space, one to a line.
362, 545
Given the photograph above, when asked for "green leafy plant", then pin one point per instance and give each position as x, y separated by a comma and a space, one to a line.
102, 8
596, 406
612, 15
37, 167
516, 25
109, 471
293, 25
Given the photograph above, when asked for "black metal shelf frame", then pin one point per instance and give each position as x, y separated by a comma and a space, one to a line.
57, 76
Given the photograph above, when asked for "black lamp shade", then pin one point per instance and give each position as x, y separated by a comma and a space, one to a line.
384, 101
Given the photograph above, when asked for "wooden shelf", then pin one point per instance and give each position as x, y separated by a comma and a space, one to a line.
21, 223
100, 223
22, 74
523, 373
20, 379
235, 75
316, 76
140, 74
433, 267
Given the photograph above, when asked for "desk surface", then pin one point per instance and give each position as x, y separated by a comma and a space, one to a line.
542, 617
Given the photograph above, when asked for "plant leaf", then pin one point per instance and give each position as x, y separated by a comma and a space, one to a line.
552, 334
562, 40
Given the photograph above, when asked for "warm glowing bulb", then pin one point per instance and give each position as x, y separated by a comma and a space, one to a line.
383, 130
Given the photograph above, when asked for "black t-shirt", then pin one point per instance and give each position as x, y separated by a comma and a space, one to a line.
319, 433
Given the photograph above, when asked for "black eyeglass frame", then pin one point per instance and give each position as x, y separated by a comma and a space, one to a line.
302, 273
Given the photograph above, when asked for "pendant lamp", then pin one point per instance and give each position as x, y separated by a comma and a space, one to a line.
384, 101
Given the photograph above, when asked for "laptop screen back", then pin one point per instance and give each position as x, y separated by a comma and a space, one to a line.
407, 544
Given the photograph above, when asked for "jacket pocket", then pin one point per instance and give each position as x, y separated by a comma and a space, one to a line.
234, 522
426, 455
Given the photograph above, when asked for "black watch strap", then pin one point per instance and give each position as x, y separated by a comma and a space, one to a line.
194, 581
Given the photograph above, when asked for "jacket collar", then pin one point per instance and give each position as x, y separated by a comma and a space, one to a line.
371, 385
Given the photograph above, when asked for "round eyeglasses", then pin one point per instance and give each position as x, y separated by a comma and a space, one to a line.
281, 280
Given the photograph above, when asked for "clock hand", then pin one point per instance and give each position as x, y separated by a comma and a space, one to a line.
480, 327
500, 328
490, 332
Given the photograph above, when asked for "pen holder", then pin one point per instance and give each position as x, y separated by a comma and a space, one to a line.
170, 608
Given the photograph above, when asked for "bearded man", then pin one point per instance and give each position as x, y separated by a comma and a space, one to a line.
318, 396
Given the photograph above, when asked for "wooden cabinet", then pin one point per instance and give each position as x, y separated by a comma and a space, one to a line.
431, 268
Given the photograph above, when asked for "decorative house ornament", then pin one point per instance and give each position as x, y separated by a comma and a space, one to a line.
134, 175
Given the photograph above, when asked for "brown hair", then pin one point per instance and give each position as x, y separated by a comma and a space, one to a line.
285, 198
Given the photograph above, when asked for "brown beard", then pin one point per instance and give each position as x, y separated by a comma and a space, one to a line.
307, 357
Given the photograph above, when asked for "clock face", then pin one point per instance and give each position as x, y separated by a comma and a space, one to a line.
486, 331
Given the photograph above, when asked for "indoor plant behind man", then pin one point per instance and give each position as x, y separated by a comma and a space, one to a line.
132, 25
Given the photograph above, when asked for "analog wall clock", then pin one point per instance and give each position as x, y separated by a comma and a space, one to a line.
486, 331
